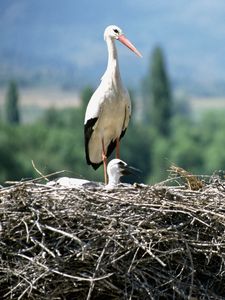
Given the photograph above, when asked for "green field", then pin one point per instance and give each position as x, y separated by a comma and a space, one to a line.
33, 101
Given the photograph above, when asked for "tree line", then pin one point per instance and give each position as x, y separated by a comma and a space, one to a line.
165, 134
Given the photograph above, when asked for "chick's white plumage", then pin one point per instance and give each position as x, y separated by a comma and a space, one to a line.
116, 169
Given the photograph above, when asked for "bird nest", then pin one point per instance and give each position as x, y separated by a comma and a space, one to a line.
133, 242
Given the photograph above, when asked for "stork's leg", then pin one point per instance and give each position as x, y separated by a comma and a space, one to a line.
104, 158
117, 148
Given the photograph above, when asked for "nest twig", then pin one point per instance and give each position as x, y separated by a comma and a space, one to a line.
191, 181
143, 242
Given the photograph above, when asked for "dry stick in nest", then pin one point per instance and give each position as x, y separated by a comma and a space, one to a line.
192, 181
50, 270
96, 270
39, 172
30, 181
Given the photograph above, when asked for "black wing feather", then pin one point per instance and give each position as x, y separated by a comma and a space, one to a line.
88, 130
112, 144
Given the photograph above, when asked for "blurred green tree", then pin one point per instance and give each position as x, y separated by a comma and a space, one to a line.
63, 118
157, 91
11, 167
136, 150
212, 126
215, 154
186, 145
160, 159
11, 104
50, 117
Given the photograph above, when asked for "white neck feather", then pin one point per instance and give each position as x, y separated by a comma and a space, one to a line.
112, 72
114, 176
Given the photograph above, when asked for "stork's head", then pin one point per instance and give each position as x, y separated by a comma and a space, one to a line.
114, 32
117, 168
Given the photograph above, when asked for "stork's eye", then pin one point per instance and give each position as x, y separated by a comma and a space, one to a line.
116, 31
121, 164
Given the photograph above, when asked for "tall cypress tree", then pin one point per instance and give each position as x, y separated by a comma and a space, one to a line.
157, 92
11, 104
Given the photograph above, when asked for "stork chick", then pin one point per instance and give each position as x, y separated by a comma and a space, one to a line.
116, 169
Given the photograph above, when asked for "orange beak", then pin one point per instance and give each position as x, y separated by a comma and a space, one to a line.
127, 43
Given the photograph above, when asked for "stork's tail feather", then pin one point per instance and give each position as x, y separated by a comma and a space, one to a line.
95, 166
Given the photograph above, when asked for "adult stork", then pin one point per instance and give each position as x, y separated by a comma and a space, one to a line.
109, 109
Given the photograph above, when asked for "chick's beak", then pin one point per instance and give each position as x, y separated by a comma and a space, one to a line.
128, 170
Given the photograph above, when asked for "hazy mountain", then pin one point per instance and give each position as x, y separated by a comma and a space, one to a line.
62, 41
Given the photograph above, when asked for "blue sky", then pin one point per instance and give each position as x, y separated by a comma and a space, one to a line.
192, 33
